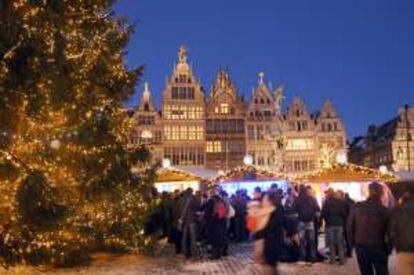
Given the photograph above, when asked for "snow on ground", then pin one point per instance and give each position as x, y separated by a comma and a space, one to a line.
239, 262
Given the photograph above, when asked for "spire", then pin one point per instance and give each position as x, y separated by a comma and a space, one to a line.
261, 78
145, 103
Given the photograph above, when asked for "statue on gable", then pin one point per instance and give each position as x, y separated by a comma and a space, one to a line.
278, 99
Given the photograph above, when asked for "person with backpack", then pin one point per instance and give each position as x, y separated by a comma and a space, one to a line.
308, 211
216, 213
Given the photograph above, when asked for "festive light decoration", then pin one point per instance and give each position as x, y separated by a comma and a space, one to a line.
63, 131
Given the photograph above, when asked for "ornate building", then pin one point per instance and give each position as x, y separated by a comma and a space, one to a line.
183, 116
264, 124
390, 144
225, 125
312, 141
148, 129
217, 132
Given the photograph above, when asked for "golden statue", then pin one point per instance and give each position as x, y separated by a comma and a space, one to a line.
182, 54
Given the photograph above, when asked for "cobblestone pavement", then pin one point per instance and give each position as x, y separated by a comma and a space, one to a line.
239, 262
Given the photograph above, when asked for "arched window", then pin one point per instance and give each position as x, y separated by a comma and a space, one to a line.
329, 126
261, 100
146, 107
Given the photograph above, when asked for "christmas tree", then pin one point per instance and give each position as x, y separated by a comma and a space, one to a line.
65, 173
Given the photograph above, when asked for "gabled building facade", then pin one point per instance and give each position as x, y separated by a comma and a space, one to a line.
217, 131
148, 129
225, 125
183, 114
390, 144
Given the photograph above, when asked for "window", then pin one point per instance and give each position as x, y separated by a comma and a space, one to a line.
175, 133
250, 131
260, 132
214, 146
200, 133
183, 133
335, 126
167, 133
224, 108
329, 127
191, 132
260, 161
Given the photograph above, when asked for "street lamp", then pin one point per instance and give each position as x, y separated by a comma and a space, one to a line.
166, 163
248, 160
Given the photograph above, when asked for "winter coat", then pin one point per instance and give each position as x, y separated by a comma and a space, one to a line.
334, 212
216, 228
369, 225
272, 234
402, 227
189, 213
307, 208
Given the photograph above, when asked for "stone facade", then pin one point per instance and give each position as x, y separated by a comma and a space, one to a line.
225, 125
219, 130
390, 144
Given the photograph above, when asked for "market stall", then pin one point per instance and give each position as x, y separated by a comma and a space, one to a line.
170, 179
349, 178
248, 178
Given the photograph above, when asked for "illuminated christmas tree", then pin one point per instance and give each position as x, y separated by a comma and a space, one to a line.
65, 173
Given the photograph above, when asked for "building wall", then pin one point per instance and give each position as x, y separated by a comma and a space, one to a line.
225, 125
183, 113
217, 132
391, 144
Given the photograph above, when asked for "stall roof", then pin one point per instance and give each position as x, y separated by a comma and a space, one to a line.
346, 173
170, 174
248, 173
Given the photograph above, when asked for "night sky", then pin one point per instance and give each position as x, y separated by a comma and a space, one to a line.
358, 53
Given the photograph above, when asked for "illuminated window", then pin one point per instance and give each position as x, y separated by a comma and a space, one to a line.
191, 132
216, 110
299, 144
167, 111
224, 108
175, 132
213, 146
200, 132
183, 133
191, 112
146, 134
167, 132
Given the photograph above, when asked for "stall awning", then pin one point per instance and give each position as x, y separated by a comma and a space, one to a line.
172, 175
346, 173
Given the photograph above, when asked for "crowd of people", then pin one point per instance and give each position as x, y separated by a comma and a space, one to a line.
286, 226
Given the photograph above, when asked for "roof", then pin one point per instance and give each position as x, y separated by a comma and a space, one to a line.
346, 173
169, 175
249, 173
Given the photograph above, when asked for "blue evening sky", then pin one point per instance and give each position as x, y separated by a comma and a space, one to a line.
358, 53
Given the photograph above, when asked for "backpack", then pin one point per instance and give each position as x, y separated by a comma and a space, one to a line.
251, 223
221, 210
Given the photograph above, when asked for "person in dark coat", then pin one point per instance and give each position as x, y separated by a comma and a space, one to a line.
272, 234
240, 207
176, 232
216, 227
334, 215
308, 211
349, 204
402, 233
369, 231
189, 206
